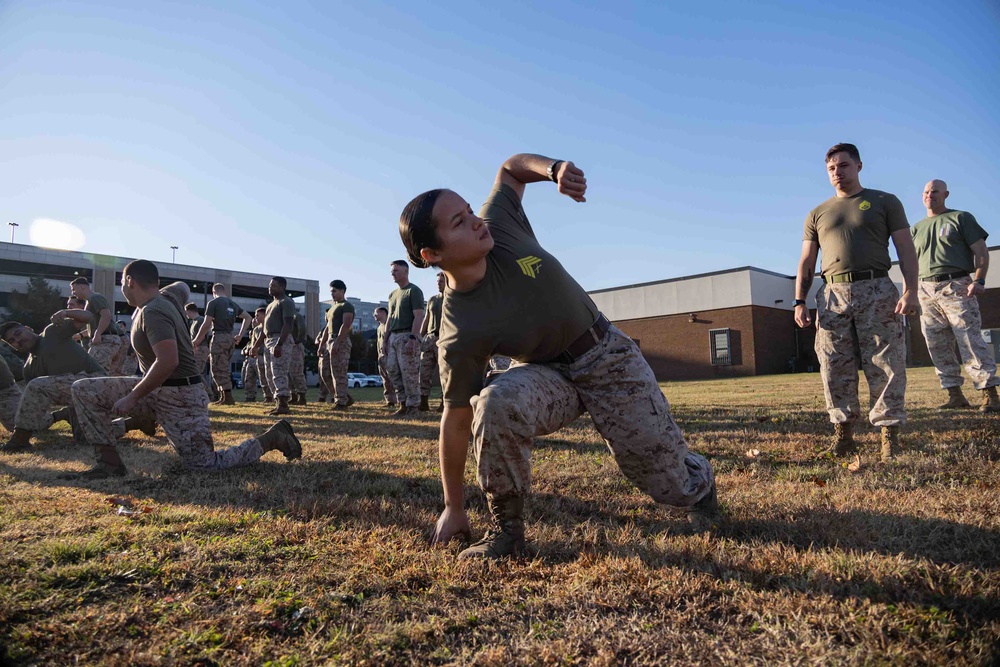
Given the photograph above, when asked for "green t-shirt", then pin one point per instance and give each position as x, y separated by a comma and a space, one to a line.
527, 307
195, 327
298, 328
156, 321
335, 317
224, 312
853, 232
277, 312
15, 362
95, 304
6, 377
944, 243
56, 353
433, 313
402, 302
380, 343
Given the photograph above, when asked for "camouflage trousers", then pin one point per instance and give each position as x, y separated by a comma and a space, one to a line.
325, 378
110, 353
340, 358
951, 318
201, 355
860, 315
404, 369
41, 394
277, 367
250, 377
615, 385
182, 412
221, 356
10, 399
388, 390
264, 375
296, 367
428, 364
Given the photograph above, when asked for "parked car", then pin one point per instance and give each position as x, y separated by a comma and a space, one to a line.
374, 380
355, 380
237, 378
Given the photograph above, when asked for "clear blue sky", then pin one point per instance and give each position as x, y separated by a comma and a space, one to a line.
285, 137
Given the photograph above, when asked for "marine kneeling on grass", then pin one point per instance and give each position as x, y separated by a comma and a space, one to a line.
55, 361
171, 389
506, 295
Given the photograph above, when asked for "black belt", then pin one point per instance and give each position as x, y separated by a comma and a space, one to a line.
586, 342
182, 382
941, 277
856, 276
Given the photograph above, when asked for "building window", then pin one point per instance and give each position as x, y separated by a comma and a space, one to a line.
719, 341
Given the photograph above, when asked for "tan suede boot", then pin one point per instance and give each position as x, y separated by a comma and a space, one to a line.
19, 441
109, 464
991, 402
956, 400
282, 438
843, 440
704, 514
506, 537
890, 443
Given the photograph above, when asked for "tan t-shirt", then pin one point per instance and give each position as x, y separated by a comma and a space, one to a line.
433, 313
157, 321
527, 307
853, 232
277, 312
95, 304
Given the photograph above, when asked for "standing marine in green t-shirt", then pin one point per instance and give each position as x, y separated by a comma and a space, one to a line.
220, 318
336, 339
857, 305
507, 295
406, 316
950, 245
279, 318
429, 345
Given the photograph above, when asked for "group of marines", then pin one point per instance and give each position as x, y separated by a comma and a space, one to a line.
570, 361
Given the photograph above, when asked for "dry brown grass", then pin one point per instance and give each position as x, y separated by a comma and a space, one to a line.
325, 561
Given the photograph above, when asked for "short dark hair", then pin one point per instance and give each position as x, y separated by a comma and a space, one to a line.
262, 309
383, 309
338, 284
191, 306
7, 326
73, 298
218, 286
281, 281
417, 228
143, 272
850, 149
400, 262
79, 281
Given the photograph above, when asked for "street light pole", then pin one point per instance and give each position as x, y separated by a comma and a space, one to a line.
174, 249
12, 226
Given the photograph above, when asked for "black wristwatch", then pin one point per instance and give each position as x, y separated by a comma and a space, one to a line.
552, 169
799, 302
982, 281
412, 337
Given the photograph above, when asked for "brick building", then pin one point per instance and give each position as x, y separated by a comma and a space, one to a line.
740, 322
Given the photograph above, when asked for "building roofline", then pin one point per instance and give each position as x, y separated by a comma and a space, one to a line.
690, 277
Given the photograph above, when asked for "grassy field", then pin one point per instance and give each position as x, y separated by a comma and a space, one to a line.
326, 561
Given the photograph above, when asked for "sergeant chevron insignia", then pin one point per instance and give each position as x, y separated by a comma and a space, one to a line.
530, 265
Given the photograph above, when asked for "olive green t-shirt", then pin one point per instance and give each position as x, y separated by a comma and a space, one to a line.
223, 312
433, 313
15, 362
95, 304
6, 377
298, 328
156, 321
527, 307
380, 343
56, 353
402, 302
255, 334
335, 317
853, 232
277, 312
195, 327
943, 243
